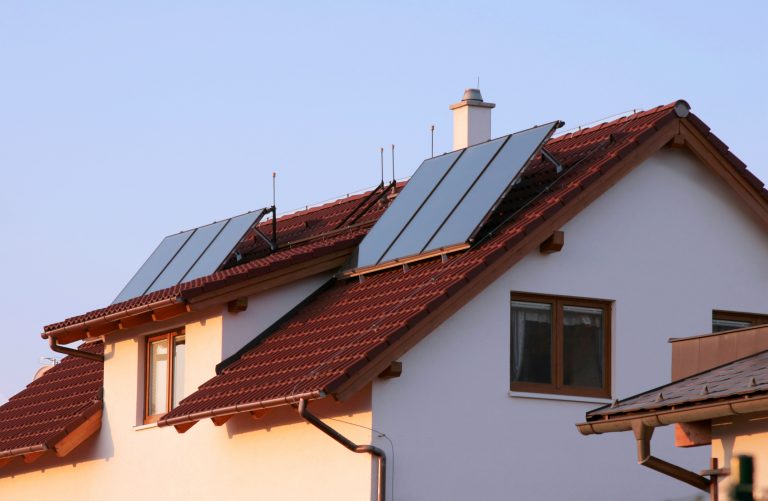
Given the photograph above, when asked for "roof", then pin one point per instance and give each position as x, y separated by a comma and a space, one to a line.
337, 226
346, 334
738, 387
747, 376
56, 411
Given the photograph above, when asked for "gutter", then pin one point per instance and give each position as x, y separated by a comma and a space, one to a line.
360, 449
112, 316
20, 451
700, 412
53, 343
235, 409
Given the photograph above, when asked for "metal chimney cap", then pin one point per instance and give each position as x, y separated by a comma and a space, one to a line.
472, 97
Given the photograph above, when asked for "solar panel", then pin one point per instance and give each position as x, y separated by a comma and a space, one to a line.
221, 248
443, 199
491, 187
407, 203
187, 256
153, 266
449, 197
190, 254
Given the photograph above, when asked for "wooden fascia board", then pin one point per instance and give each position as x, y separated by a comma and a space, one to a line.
527, 245
247, 288
698, 144
79, 434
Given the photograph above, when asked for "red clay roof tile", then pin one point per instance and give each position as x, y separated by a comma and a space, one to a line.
52, 406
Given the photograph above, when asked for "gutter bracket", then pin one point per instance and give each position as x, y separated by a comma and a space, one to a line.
360, 449
643, 434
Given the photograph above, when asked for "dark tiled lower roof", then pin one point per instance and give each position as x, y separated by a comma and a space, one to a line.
52, 406
748, 376
343, 330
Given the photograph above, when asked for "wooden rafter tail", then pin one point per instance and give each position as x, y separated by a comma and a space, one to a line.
79, 435
170, 312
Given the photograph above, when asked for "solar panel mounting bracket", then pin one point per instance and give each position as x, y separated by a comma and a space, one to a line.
272, 242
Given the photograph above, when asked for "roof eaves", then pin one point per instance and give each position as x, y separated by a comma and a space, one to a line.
699, 411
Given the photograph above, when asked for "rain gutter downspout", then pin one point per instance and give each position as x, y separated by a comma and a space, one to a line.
643, 435
75, 353
361, 449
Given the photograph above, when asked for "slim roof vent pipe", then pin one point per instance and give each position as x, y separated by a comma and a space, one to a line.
471, 120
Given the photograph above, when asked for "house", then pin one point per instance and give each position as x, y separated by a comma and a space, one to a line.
338, 355
717, 398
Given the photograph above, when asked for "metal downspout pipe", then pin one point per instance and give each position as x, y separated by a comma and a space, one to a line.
643, 435
361, 449
75, 353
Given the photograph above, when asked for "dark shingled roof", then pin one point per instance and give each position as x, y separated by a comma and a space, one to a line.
747, 376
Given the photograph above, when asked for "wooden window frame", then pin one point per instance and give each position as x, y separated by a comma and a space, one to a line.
170, 337
557, 363
738, 316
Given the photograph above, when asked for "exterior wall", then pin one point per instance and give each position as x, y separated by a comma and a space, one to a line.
668, 244
742, 435
276, 457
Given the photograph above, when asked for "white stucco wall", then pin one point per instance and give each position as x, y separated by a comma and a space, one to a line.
278, 457
669, 243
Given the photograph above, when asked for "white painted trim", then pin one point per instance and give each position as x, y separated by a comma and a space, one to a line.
144, 426
567, 398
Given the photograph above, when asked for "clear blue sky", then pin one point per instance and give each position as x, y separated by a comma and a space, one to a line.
122, 122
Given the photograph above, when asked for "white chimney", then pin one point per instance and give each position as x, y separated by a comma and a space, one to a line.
471, 120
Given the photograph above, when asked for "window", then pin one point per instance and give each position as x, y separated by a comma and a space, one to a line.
560, 345
164, 374
730, 320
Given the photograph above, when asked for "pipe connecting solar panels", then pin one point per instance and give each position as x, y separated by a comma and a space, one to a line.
449, 197
188, 255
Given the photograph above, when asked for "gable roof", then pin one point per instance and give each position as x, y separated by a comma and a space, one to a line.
55, 412
352, 330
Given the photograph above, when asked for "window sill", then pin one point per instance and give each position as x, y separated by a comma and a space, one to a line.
144, 426
566, 398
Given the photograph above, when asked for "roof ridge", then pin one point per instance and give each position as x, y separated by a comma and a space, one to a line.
610, 123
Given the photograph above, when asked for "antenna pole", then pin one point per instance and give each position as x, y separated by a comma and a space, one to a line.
381, 152
393, 163
274, 214
433, 140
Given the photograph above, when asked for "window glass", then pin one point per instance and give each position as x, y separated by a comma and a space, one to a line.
158, 377
531, 342
720, 325
583, 342
179, 350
